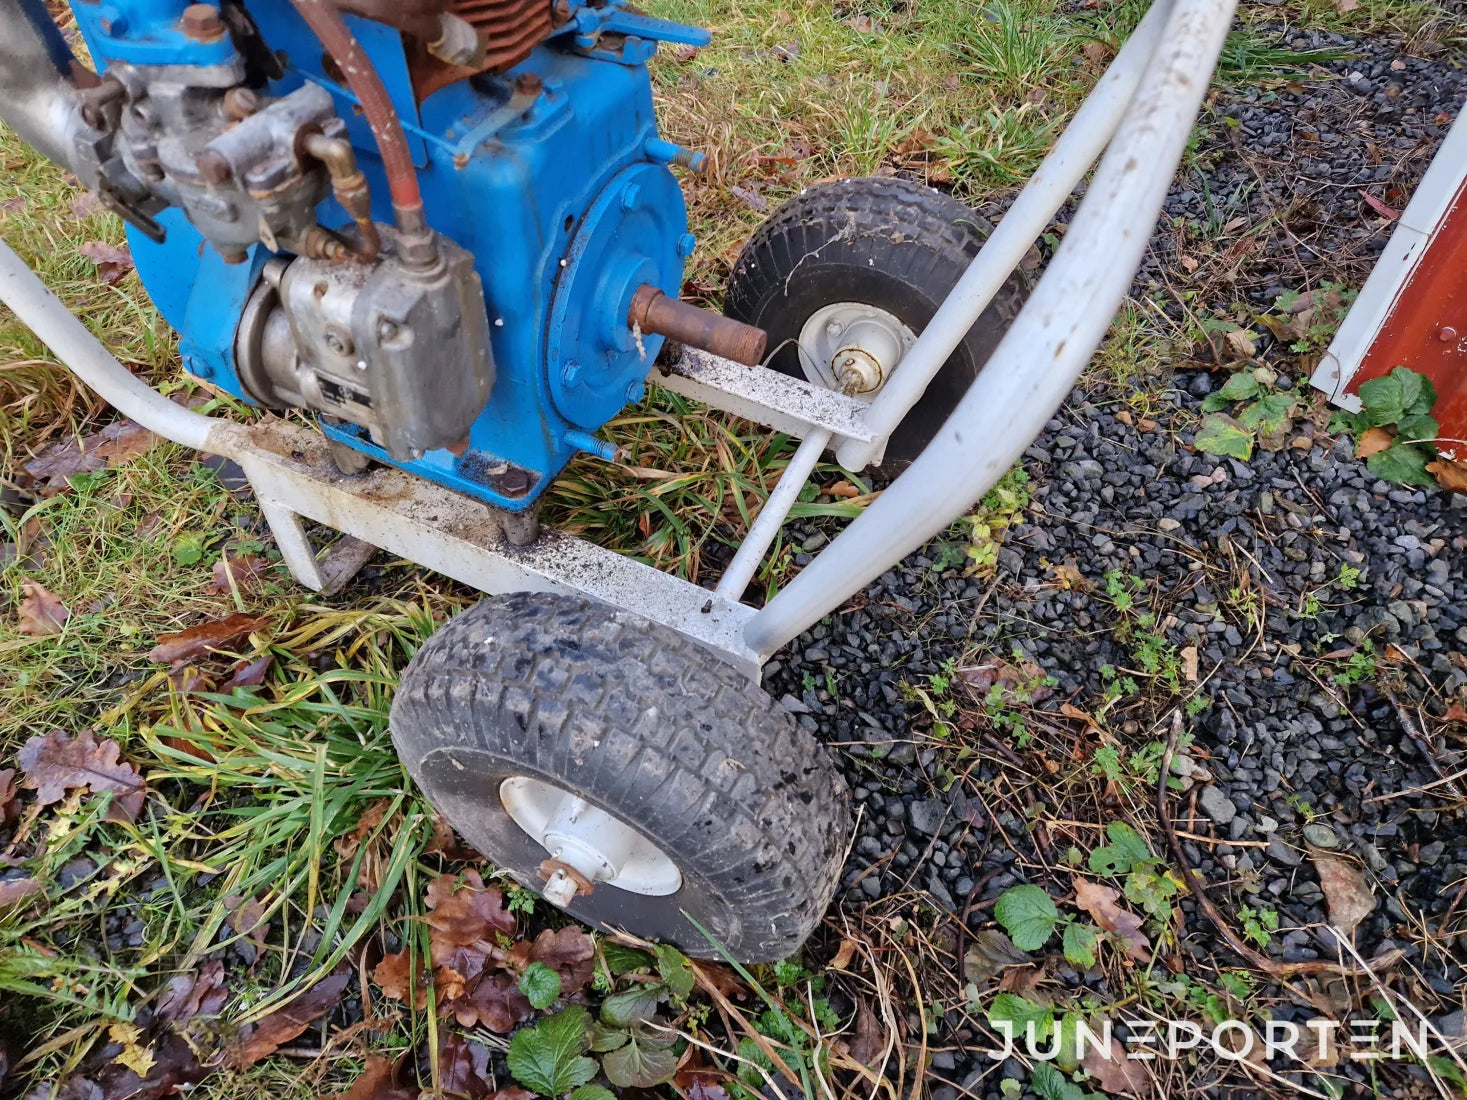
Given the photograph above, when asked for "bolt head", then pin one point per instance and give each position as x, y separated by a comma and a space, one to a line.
570, 372
685, 245
634, 392
213, 167
529, 84
240, 103
1446, 334
201, 22
631, 198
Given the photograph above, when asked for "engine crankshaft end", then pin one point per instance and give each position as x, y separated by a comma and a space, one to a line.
655, 312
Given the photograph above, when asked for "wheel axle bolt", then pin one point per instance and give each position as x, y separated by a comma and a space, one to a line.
560, 889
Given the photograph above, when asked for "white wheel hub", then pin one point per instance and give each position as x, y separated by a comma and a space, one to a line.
597, 846
853, 347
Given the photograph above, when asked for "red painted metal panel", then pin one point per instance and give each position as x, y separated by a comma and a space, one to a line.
1426, 328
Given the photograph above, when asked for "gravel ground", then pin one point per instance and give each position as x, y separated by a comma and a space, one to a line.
1294, 759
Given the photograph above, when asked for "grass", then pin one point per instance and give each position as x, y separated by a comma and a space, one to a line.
251, 788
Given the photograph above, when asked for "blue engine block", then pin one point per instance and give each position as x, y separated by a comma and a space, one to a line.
567, 207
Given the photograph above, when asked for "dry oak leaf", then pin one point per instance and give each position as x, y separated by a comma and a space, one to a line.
204, 638
247, 573
260, 1040
462, 910
1115, 1072
188, 995
395, 976
1345, 887
463, 1069
112, 262
55, 763
41, 613
377, 1081
1103, 904
493, 1001
570, 953
113, 445
1373, 441
1449, 475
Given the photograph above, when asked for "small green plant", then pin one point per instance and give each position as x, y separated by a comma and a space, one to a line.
1303, 808
1349, 577
1001, 507
1264, 415
1259, 925
1394, 428
1147, 881
1030, 917
1359, 667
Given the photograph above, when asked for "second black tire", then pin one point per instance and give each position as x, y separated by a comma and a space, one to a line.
889, 243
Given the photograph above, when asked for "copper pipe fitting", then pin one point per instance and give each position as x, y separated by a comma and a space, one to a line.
653, 311
350, 189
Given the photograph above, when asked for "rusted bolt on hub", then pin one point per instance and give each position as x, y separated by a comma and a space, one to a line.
201, 22
529, 84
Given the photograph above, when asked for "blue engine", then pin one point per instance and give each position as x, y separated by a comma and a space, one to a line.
549, 174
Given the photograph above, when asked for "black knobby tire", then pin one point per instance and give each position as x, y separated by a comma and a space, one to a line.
889, 243
649, 727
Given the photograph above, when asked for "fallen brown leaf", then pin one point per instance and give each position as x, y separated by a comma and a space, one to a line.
445, 842
867, 1041
1116, 1073
9, 788
462, 910
493, 1001
1103, 904
394, 975
1189, 663
112, 262
17, 889
570, 953
207, 637
1067, 576
259, 1040
377, 1081
41, 613
250, 673
201, 993
1373, 441
990, 953
247, 573
55, 763
1449, 475
843, 955
1347, 891
463, 1067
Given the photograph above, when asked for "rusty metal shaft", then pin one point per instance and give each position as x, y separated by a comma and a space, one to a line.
653, 311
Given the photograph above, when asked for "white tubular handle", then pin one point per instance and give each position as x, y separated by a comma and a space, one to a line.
1041, 357
47, 316
1073, 154
771, 517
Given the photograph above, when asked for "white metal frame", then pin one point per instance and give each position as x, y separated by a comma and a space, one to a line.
1139, 114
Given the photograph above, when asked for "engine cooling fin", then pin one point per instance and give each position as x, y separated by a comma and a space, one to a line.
510, 29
